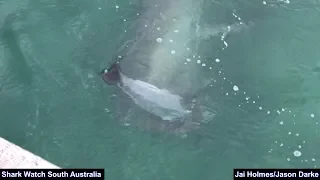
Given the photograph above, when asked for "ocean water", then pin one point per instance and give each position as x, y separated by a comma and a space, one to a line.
263, 58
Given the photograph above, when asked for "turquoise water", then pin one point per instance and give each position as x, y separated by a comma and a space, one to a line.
53, 103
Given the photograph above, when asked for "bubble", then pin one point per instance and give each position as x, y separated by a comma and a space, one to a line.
217, 60
288, 159
281, 144
159, 40
297, 134
188, 59
173, 51
289, 133
117, 6
198, 61
225, 43
99, 8
264, 2
297, 153
203, 64
158, 28
313, 159
281, 122
260, 108
176, 31
312, 115
235, 88
171, 40
286, 1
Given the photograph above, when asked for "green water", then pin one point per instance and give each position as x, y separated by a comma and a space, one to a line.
53, 103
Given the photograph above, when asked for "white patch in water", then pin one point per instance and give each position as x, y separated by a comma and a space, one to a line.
173, 51
235, 88
159, 40
297, 153
198, 61
225, 43
157, 101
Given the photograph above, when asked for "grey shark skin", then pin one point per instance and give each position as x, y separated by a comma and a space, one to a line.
153, 66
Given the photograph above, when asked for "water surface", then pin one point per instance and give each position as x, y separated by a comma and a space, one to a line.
265, 89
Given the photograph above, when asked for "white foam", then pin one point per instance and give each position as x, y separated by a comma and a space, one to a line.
235, 88
159, 40
297, 153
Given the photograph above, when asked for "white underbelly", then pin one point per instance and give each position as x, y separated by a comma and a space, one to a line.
159, 102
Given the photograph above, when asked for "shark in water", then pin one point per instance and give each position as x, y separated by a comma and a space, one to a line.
153, 70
